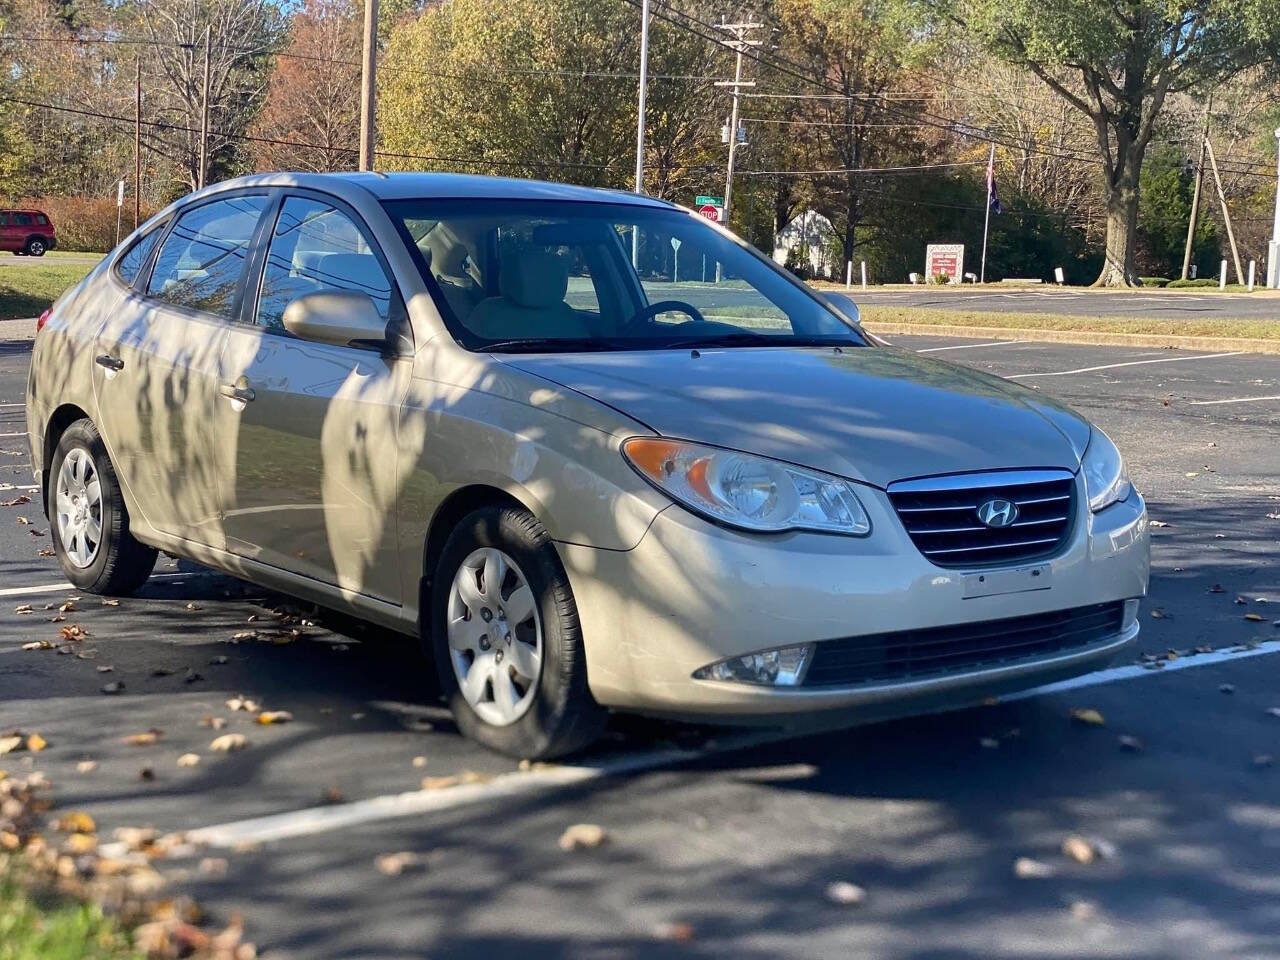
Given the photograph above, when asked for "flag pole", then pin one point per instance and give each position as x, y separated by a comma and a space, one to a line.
986, 222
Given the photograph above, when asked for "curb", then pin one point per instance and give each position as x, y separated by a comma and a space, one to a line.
1098, 338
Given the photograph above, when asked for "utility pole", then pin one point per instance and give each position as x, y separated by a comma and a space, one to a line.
137, 144
644, 83
1273, 261
204, 112
986, 221
1226, 214
1195, 196
740, 42
368, 84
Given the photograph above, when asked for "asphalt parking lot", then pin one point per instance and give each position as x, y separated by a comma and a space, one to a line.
712, 850
1146, 304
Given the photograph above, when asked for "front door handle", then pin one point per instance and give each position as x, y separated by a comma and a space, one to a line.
233, 392
110, 362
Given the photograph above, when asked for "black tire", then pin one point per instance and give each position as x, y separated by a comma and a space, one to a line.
122, 564
36, 247
563, 717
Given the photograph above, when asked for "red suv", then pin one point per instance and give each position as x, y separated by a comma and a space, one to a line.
26, 232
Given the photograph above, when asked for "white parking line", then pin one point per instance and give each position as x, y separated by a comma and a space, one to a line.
59, 587
1210, 403
1131, 363
315, 820
12, 404
971, 346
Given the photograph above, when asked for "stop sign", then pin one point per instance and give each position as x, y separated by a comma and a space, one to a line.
710, 211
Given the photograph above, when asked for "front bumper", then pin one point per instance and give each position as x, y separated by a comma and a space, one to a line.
691, 593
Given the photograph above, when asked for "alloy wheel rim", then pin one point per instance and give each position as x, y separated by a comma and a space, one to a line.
495, 636
78, 507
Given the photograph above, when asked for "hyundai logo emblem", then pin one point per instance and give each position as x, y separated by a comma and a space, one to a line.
998, 513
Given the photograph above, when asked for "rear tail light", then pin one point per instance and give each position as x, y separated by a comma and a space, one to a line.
43, 319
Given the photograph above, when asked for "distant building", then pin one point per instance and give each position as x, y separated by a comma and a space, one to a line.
805, 245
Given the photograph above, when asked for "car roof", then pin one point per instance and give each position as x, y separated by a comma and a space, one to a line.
409, 186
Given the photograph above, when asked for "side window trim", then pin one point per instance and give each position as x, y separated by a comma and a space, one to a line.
397, 313
144, 278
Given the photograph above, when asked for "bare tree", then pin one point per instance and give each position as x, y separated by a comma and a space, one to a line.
243, 33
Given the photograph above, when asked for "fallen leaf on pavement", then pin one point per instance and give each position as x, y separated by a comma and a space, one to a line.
582, 836
162, 672
213, 723
845, 893
439, 783
16, 501
1159, 614
1274, 711
1263, 760
244, 635
1158, 523
1083, 910
1256, 617
989, 743
189, 760
191, 676
228, 742
1027, 869
146, 773
218, 661
676, 932
74, 632
38, 645
23, 521
36, 743
1217, 588
145, 739
268, 717
9, 744
77, 822
332, 796
1130, 743
1078, 849
104, 668
1226, 688
394, 864
24, 608
243, 703
110, 602
1089, 717
86, 766
421, 762
193, 606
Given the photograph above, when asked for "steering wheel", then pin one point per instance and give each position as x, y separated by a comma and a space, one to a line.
647, 314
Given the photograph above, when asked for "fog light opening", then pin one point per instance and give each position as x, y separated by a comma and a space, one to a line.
780, 667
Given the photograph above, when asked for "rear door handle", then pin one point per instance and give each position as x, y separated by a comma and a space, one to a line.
231, 391
110, 362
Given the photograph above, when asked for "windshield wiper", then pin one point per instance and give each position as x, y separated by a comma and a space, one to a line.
548, 345
749, 339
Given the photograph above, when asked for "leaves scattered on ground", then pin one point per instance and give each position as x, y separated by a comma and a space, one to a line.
582, 836
1089, 717
845, 893
229, 742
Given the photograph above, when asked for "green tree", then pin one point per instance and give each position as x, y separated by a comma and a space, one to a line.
1117, 63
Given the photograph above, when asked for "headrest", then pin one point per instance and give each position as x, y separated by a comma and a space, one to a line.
450, 260
352, 271
534, 279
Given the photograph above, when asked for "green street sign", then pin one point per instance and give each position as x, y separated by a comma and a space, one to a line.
705, 201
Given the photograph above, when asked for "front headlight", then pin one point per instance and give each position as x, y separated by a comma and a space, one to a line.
1105, 478
745, 491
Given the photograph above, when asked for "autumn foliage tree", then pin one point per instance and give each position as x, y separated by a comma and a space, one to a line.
311, 117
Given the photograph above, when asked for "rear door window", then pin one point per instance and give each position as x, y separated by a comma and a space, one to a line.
42, 220
130, 264
201, 260
23, 219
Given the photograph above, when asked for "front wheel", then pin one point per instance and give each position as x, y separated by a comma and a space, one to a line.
35, 247
507, 642
89, 523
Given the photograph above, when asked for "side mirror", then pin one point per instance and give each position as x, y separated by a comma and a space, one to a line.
844, 305
341, 317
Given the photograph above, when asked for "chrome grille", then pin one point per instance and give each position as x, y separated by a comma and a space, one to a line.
911, 654
941, 515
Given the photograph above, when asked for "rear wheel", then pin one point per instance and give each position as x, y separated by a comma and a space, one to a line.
36, 247
88, 521
506, 637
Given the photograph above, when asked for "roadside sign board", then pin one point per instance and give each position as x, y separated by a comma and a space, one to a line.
945, 258
711, 207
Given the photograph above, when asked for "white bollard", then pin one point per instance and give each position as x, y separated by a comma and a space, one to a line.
864, 274
1253, 267
1059, 276
1222, 277
848, 274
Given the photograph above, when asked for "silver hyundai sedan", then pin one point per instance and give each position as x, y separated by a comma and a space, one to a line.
593, 450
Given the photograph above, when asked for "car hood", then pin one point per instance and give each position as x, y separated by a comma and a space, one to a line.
869, 414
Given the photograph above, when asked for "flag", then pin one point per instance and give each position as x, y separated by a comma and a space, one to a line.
993, 201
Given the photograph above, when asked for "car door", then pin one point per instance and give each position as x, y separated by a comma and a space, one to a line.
156, 369
7, 230
310, 430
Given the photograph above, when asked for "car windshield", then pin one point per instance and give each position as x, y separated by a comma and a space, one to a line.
530, 275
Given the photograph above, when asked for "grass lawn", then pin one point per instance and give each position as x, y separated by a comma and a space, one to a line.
33, 929
26, 290
1259, 328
